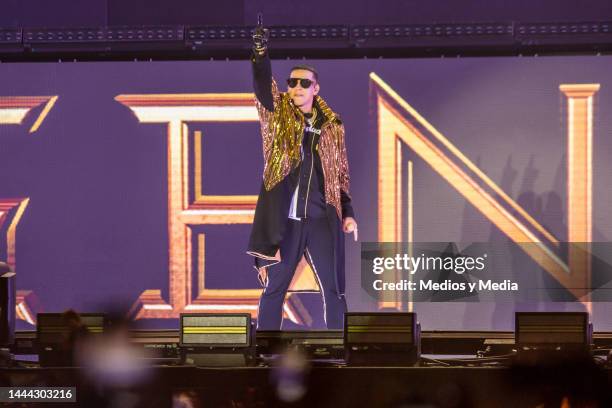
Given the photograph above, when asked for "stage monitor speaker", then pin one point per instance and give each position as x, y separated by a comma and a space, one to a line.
551, 335
7, 305
216, 340
53, 336
316, 344
381, 339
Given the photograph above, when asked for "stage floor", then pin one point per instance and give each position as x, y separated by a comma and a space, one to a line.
338, 386
450, 373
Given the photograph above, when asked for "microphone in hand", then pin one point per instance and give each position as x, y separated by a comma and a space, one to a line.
260, 36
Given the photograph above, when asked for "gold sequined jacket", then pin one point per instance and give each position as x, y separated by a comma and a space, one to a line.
282, 131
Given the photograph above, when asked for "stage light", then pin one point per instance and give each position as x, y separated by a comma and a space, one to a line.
7, 305
564, 28
320, 41
447, 31
564, 34
10, 36
206, 33
285, 36
309, 32
542, 336
54, 336
10, 41
216, 339
381, 339
94, 40
104, 35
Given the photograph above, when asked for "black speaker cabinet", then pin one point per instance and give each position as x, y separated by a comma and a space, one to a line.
381, 339
551, 336
53, 336
7, 305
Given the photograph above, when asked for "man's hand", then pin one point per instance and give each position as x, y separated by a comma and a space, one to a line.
260, 39
350, 225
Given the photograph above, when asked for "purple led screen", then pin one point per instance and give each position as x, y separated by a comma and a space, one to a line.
95, 229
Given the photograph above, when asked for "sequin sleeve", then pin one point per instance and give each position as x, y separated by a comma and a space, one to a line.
344, 168
345, 197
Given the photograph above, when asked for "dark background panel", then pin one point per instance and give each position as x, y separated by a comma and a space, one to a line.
73, 13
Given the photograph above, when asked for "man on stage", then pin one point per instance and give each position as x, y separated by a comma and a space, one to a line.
304, 203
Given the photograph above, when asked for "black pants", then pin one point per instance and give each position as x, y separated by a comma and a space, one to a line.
311, 237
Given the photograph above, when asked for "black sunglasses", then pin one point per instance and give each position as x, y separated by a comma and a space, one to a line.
305, 83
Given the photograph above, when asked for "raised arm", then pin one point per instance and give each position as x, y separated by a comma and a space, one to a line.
266, 90
262, 80
262, 69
